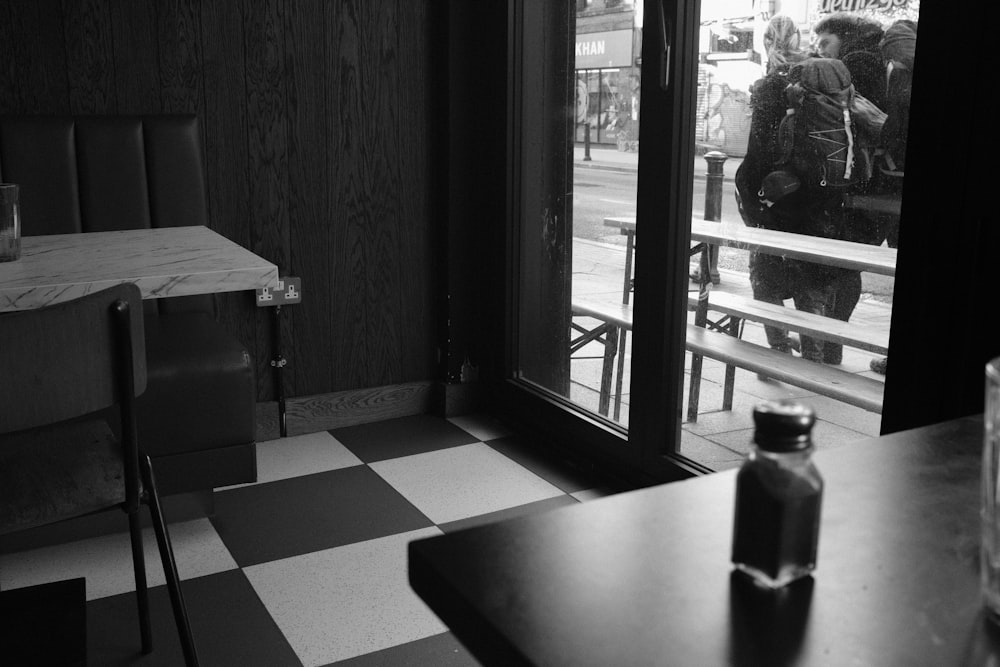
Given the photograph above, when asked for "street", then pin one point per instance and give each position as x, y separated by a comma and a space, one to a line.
601, 193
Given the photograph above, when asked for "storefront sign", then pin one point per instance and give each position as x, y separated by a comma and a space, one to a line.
599, 50
855, 5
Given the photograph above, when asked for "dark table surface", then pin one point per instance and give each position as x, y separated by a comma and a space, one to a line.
644, 578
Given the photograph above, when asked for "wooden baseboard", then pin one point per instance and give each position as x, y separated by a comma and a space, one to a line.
310, 414
322, 412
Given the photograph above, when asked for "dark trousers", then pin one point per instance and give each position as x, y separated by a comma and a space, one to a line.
770, 284
830, 292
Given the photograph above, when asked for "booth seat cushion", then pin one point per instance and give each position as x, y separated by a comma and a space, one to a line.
96, 173
199, 390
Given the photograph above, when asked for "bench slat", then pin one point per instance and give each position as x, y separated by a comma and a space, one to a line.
851, 388
810, 324
858, 390
617, 314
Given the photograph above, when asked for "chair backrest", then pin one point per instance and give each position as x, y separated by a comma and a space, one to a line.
71, 359
104, 173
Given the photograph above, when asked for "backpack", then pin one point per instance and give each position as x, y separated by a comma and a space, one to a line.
829, 133
898, 47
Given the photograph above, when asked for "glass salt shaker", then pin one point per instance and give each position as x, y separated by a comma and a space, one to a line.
778, 494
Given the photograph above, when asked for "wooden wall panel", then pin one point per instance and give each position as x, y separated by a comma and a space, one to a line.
33, 70
309, 191
368, 218
419, 243
267, 149
349, 204
133, 30
381, 179
319, 157
90, 59
181, 75
227, 163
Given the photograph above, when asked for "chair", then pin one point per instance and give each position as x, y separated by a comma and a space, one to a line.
69, 376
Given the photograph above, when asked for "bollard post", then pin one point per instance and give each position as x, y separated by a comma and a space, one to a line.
713, 204
586, 141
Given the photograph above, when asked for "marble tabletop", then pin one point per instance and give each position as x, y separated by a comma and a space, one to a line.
163, 262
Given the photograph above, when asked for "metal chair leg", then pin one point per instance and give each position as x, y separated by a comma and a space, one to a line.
141, 591
169, 564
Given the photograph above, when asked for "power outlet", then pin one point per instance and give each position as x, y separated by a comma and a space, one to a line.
288, 291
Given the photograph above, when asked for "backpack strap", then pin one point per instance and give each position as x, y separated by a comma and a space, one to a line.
850, 142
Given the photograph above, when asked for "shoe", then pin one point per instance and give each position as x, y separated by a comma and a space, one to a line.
695, 276
878, 365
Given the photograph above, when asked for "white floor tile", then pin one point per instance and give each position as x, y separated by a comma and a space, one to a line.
300, 455
460, 482
339, 603
106, 561
482, 427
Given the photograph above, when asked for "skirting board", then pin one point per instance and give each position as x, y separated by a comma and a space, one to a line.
322, 412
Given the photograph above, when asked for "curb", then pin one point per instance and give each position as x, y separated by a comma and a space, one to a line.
608, 166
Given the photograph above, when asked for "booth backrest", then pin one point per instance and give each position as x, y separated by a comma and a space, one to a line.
103, 173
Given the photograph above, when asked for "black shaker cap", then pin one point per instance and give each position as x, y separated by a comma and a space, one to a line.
783, 426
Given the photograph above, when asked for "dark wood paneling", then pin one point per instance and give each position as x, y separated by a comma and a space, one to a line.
133, 30
267, 149
418, 246
90, 60
379, 177
309, 191
181, 75
33, 70
227, 163
319, 156
350, 205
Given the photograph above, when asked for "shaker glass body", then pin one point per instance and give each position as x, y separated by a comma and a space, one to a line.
776, 529
989, 561
10, 223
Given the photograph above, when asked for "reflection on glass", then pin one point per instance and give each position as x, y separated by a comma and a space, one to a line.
814, 178
810, 108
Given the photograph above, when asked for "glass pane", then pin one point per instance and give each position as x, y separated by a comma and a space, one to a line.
577, 267
801, 120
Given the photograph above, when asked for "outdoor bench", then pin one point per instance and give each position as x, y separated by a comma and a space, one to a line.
854, 389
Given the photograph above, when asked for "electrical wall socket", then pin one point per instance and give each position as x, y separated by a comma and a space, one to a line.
288, 291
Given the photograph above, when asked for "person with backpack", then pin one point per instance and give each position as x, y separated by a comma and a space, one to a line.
769, 278
898, 48
854, 41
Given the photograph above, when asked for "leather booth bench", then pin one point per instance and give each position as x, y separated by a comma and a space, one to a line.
99, 173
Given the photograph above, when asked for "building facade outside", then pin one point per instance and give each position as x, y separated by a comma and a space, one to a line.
608, 59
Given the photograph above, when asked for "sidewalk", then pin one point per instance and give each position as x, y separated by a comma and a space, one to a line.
719, 439
603, 156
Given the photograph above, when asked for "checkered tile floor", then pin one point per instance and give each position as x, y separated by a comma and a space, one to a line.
308, 565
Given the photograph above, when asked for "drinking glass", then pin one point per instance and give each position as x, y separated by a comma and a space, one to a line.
10, 223
989, 562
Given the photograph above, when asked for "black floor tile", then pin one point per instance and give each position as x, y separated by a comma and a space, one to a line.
291, 517
510, 513
438, 651
229, 623
401, 437
567, 475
